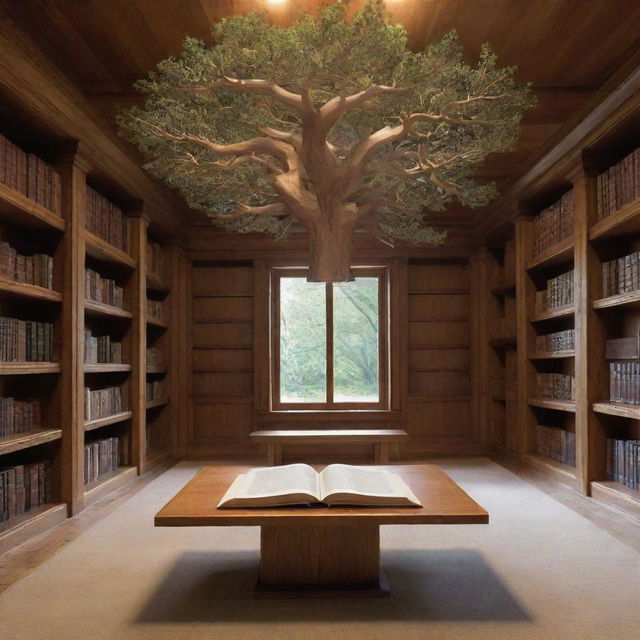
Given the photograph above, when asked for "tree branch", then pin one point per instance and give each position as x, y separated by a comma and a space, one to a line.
274, 209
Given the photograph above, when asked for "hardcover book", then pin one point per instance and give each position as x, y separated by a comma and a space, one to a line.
337, 484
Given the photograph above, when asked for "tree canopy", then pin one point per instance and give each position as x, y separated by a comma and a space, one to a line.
329, 125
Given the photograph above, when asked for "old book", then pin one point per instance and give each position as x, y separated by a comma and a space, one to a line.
337, 484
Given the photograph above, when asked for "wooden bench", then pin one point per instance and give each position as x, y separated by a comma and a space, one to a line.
381, 439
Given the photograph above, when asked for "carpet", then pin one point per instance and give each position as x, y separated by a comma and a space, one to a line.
538, 571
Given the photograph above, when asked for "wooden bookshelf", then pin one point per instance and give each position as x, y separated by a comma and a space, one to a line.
18, 209
553, 403
31, 523
28, 291
121, 416
631, 411
617, 495
562, 473
152, 404
623, 222
28, 368
156, 283
93, 308
108, 483
553, 314
101, 250
630, 300
559, 254
19, 441
156, 322
106, 368
550, 355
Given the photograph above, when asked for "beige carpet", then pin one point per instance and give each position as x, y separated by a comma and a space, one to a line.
538, 570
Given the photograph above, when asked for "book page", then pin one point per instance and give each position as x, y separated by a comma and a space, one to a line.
347, 484
262, 487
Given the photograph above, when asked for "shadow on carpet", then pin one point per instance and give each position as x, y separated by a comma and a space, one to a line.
443, 584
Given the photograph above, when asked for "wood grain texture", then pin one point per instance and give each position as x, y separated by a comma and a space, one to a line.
444, 502
319, 555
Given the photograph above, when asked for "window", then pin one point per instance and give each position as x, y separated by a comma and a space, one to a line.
329, 341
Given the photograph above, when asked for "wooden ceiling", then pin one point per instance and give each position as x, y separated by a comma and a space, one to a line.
568, 49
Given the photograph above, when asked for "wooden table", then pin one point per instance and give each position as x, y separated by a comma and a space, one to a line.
321, 548
381, 439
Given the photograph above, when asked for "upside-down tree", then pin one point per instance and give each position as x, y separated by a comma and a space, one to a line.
329, 125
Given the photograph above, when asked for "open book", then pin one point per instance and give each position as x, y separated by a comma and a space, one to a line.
301, 484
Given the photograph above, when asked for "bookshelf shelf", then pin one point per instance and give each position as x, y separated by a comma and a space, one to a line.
19, 441
505, 289
631, 300
617, 495
160, 370
152, 404
106, 368
89, 425
548, 403
560, 253
17, 208
548, 355
107, 483
553, 314
614, 409
31, 523
621, 222
156, 283
100, 249
28, 368
558, 471
156, 322
10, 288
93, 308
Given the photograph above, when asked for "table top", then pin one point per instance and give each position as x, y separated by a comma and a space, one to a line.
444, 502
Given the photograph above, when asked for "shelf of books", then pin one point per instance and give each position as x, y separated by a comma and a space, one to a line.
546, 333
613, 232
158, 305
31, 233
501, 354
109, 305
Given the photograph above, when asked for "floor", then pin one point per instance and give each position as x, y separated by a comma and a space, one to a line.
549, 565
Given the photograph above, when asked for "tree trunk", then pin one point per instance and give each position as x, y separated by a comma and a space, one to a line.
330, 252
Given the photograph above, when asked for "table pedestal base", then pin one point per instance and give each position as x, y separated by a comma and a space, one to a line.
321, 560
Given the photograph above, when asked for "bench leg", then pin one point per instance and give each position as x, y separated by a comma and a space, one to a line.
274, 454
381, 452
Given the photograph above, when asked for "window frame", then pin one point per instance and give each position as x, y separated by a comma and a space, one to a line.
330, 405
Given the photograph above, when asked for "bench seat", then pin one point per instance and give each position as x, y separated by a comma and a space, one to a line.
381, 439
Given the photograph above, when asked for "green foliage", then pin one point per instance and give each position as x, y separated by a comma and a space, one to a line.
469, 112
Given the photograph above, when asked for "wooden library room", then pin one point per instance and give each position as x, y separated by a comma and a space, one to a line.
285, 282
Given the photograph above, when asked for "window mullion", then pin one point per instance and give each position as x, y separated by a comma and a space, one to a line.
329, 312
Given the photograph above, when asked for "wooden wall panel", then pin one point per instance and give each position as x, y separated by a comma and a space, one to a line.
433, 307
219, 420
222, 281
439, 360
215, 334
443, 334
223, 309
438, 383
439, 419
223, 384
238, 360
439, 278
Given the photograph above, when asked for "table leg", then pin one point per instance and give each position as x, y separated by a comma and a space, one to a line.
274, 453
324, 557
382, 452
